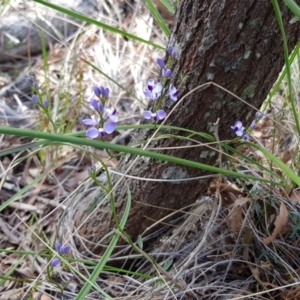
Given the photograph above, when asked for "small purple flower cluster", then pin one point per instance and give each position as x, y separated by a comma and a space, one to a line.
62, 250
258, 115
35, 98
240, 129
31, 81
154, 90
105, 122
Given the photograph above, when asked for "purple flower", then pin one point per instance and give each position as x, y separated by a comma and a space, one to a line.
159, 115
30, 80
55, 261
101, 91
154, 90
105, 92
97, 105
253, 125
111, 114
173, 93
57, 246
161, 63
91, 170
167, 73
92, 133
259, 115
246, 136
65, 249
238, 128
35, 98
108, 128
61, 250
172, 51
97, 91
45, 103
93, 121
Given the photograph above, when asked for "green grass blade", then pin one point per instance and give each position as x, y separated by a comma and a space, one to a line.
288, 171
293, 6
98, 269
168, 6
288, 67
84, 18
155, 13
126, 149
82, 134
20, 192
283, 73
10, 271
249, 160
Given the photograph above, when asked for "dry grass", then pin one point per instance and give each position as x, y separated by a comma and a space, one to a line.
219, 249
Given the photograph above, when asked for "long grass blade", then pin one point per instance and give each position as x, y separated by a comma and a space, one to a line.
288, 67
168, 6
126, 149
155, 13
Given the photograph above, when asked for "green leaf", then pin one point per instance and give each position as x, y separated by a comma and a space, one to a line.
168, 6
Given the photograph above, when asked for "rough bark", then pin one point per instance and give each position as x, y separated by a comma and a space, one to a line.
236, 44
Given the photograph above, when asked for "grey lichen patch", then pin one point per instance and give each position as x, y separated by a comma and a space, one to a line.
249, 115
229, 64
207, 42
210, 127
210, 76
206, 115
293, 20
212, 63
247, 54
219, 105
249, 91
174, 172
206, 154
188, 36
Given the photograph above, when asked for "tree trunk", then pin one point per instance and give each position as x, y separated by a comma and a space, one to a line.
236, 44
